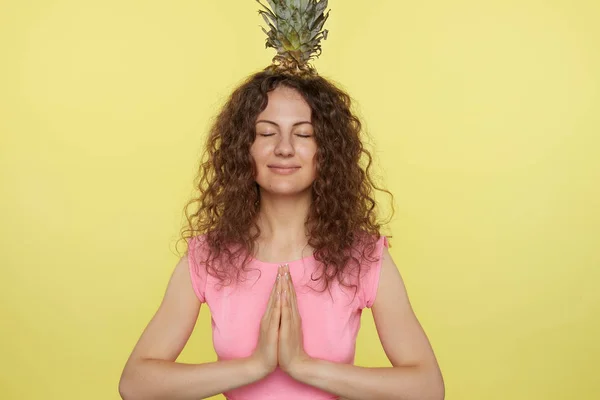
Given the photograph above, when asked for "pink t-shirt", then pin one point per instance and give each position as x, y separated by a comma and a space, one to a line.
330, 323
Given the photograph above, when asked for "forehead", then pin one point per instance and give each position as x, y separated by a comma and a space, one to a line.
285, 104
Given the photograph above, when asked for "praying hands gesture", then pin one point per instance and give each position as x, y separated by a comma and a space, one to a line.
280, 339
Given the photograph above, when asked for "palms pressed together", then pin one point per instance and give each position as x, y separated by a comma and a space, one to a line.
280, 341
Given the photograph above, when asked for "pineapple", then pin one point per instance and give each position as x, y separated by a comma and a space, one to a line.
296, 32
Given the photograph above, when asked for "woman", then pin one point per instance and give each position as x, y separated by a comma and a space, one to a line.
286, 251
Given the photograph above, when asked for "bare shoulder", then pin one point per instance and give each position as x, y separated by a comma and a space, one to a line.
390, 282
180, 284
401, 334
171, 326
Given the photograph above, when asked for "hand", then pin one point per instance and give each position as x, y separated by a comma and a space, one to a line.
265, 354
291, 346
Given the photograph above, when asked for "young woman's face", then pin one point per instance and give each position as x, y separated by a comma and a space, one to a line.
284, 147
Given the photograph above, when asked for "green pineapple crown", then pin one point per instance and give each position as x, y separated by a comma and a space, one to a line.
296, 30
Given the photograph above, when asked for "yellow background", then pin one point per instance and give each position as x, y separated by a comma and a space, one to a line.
485, 121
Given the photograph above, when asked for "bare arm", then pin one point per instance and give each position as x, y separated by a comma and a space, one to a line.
151, 371
414, 374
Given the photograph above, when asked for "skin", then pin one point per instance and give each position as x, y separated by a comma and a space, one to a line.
287, 138
151, 371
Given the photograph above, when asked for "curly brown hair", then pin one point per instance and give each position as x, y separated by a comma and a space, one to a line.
342, 216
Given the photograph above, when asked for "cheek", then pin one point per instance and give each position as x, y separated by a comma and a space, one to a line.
307, 151
258, 152
309, 159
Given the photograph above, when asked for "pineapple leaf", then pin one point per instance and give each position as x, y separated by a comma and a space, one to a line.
303, 6
266, 18
320, 6
273, 4
296, 29
266, 10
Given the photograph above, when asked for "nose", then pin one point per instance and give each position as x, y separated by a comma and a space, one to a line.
284, 146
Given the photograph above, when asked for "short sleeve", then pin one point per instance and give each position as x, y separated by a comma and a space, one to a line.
370, 282
196, 253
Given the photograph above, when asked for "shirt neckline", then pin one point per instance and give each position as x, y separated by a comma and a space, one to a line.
276, 264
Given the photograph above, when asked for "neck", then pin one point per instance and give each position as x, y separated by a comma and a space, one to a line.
281, 219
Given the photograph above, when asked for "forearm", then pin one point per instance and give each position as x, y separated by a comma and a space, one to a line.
160, 379
387, 383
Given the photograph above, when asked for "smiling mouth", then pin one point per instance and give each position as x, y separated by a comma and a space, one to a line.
281, 170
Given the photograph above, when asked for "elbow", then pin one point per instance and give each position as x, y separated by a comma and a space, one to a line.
439, 393
134, 384
438, 389
431, 392
127, 388
431, 386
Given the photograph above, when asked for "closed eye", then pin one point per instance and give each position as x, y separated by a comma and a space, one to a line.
271, 134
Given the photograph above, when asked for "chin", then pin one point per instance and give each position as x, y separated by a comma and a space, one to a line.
284, 189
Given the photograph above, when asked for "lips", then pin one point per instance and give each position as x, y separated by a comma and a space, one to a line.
286, 170
283, 166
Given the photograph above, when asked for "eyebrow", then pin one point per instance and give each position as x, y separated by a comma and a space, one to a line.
274, 123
